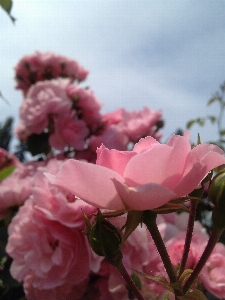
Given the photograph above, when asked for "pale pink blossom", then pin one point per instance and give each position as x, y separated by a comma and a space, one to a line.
53, 254
213, 274
45, 66
147, 177
50, 253
135, 124
69, 131
16, 188
44, 101
175, 247
87, 105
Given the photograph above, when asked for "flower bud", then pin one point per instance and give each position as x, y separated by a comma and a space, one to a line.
104, 239
216, 195
216, 191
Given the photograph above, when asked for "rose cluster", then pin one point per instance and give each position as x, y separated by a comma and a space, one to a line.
66, 118
52, 258
88, 161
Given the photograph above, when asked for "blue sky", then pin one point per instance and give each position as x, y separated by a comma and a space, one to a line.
167, 55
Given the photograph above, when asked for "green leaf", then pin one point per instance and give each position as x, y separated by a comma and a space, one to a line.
201, 121
190, 124
6, 172
222, 132
159, 279
7, 6
193, 295
185, 275
212, 119
134, 218
213, 99
166, 297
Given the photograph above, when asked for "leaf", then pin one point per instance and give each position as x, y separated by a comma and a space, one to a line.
185, 275
166, 297
159, 279
222, 132
134, 218
201, 121
170, 207
6, 172
213, 99
212, 119
190, 123
7, 6
193, 295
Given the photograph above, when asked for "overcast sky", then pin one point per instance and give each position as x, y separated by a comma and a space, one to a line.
165, 54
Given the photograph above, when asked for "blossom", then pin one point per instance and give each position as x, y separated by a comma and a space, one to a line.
53, 254
87, 105
135, 124
50, 253
45, 66
146, 178
213, 273
44, 99
21, 180
68, 131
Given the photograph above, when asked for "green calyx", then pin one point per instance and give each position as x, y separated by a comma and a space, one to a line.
104, 239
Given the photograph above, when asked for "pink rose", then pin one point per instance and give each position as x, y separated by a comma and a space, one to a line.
213, 274
53, 254
69, 131
50, 253
145, 178
135, 124
21, 180
175, 247
87, 105
45, 66
45, 99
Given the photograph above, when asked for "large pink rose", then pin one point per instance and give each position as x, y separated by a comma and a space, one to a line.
47, 251
146, 178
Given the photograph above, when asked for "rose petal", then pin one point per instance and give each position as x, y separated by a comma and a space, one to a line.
148, 196
92, 183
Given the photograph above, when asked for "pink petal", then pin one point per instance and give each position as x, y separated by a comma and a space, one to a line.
113, 159
162, 164
148, 196
90, 182
145, 143
202, 159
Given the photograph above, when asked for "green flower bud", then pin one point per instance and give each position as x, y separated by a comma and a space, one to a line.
216, 195
104, 239
216, 191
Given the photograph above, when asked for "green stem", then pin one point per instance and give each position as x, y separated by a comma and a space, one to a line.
190, 227
213, 239
149, 219
120, 267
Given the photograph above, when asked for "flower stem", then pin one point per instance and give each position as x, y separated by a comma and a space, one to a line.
149, 219
190, 227
213, 239
120, 267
